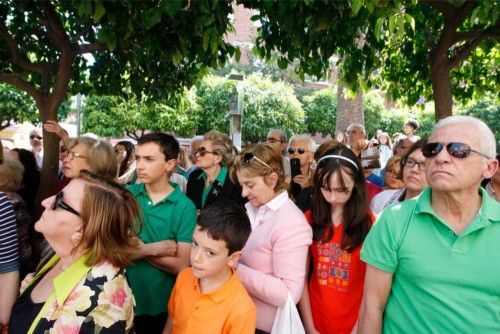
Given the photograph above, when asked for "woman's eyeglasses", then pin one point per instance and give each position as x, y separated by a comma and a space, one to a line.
249, 157
455, 149
35, 136
59, 203
202, 151
299, 150
410, 163
72, 155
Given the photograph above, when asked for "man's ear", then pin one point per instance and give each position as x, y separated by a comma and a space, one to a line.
170, 165
233, 259
491, 168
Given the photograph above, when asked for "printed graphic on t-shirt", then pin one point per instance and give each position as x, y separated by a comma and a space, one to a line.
333, 266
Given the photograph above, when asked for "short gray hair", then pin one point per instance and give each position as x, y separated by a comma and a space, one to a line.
311, 145
281, 134
357, 126
486, 137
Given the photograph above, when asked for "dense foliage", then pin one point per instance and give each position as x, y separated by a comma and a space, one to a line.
419, 48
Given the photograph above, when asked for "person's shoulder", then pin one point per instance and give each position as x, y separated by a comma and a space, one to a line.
182, 200
291, 210
194, 175
185, 274
241, 298
134, 188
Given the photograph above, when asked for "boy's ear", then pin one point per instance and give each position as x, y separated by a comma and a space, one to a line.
233, 259
170, 165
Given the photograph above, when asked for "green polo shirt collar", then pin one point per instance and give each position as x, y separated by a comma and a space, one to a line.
487, 214
174, 196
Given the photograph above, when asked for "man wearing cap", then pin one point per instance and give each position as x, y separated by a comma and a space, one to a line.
433, 261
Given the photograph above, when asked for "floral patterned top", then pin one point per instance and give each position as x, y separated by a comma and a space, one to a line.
99, 302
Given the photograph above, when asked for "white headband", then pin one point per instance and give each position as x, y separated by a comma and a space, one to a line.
333, 156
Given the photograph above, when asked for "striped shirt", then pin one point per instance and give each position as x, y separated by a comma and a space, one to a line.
8, 231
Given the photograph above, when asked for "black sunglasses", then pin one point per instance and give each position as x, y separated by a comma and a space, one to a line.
202, 151
59, 203
299, 150
37, 137
249, 157
456, 150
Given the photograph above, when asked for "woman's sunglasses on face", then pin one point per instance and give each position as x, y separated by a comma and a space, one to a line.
59, 203
202, 151
455, 149
35, 136
299, 150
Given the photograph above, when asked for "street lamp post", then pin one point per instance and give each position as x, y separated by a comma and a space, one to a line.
236, 110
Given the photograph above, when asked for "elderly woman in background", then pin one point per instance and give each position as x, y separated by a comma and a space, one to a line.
301, 147
210, 181
82, 288
273, 264
11, 177
94, 155
124, 151
412, 172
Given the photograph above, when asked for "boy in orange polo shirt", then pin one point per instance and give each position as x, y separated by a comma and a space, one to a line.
208, 297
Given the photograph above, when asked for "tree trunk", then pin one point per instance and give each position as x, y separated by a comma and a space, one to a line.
441, 88
348, 110
48, 111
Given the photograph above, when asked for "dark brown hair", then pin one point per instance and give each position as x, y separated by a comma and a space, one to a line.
356, 218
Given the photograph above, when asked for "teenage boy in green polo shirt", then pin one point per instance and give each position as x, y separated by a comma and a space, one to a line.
169, 218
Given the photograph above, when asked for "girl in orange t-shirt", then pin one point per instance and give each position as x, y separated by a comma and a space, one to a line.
340, 219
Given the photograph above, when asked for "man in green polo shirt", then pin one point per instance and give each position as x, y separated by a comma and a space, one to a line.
169, 218
433, 262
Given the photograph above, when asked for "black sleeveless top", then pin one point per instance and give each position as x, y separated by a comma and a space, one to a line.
24, 312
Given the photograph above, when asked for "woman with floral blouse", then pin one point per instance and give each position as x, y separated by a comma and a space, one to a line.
82, 289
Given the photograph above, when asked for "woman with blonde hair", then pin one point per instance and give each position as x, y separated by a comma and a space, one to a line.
210, 181
94, 155
82, 288
273, 264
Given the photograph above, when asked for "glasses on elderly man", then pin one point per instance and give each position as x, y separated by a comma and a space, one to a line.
36, 136
59, 203
455, 149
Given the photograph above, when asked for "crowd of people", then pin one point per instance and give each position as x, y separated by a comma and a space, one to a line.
393, 234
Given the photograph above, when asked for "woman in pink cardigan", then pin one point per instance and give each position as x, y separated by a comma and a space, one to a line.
273, 264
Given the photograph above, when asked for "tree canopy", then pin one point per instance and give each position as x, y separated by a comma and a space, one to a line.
115, 116
17, 107
421, 48
154, 47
